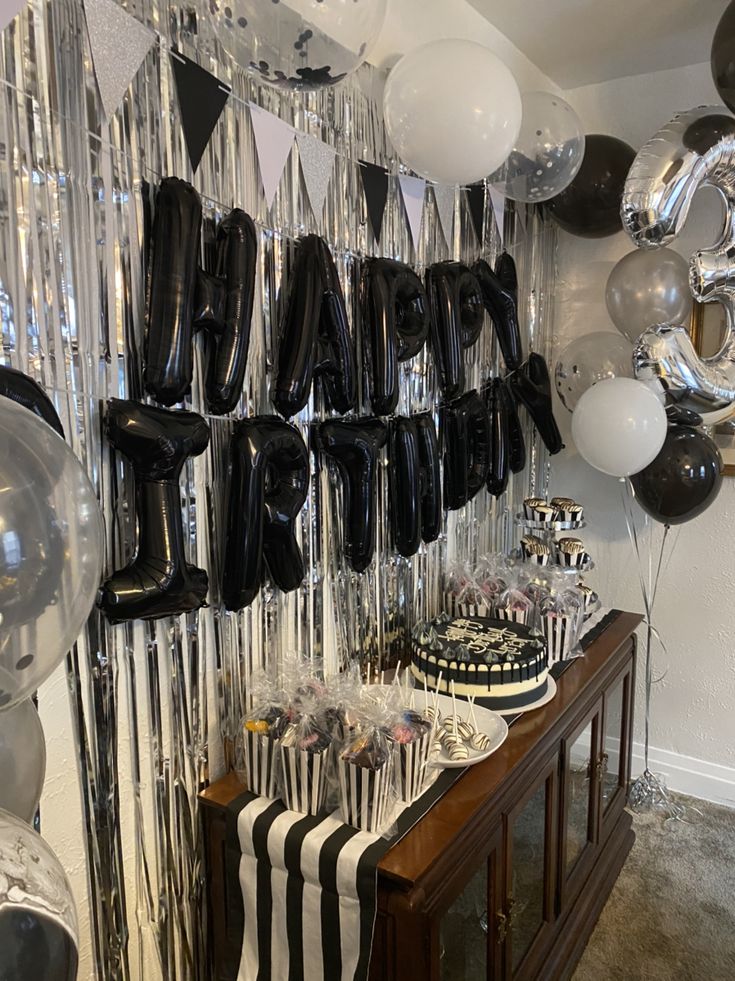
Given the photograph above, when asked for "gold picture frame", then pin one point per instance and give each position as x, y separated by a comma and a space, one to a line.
705, 328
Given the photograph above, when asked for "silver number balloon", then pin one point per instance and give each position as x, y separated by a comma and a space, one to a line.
695, 149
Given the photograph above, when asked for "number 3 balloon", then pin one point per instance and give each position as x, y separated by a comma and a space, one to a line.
695, 148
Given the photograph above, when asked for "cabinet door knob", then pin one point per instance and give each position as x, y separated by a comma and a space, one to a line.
501, 922
601, 767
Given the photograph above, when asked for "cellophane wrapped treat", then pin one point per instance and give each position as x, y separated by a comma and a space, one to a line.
412, 734
365, 765
305, 759
562, 613
459, 587
515, 605
261, 729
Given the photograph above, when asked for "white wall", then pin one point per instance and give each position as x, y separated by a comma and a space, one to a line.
693, 712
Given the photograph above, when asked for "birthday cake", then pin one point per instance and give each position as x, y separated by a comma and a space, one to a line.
499, 662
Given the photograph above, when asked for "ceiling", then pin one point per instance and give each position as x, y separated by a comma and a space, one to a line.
579, 42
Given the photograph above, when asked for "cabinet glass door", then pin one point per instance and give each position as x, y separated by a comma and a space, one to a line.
614, 742
529, 883
580, 780
463, 940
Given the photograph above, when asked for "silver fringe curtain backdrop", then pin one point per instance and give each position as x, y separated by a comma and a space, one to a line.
155, 706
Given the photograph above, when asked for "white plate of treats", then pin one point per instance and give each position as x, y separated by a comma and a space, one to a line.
489, 728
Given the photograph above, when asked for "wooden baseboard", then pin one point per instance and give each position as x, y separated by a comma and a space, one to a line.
576, 928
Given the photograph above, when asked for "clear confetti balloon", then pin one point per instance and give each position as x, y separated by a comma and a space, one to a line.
299, 44
38, 921
547, 153
22, 760
50, 551
590, 359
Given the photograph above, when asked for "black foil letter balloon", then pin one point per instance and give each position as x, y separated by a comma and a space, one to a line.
532, 386
354, 447
499, 400
314, 336
466, 444
158, 581
500, 296
590, 205
405, 485
182, 297
269, 482
457, 314
396, 316
228, 329
415, 482
683, 480
431, 487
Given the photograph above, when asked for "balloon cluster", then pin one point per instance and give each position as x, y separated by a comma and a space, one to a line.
481, 436
50, 560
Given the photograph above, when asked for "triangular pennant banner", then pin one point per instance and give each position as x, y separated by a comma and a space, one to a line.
202, 98
273, 142
498, 202
476, 202
9, 9
119, 44
412, 191
444, 198
375, 184
317, 164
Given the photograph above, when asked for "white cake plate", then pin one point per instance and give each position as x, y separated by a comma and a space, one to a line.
488, 722
544, 700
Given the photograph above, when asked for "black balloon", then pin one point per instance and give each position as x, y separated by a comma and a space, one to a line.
517, 456
590, 205
723, 57
466, 444
500, 296
172, 278
499, 401
431, 488
405, 485
28, 393
687, 417
182, 298
269, 482
158, 581
314, 336
228, 323
34, 946
396, 318
683, 480
532, 386
354, 446
457, 314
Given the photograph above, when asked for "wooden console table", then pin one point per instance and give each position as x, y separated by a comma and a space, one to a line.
506, 876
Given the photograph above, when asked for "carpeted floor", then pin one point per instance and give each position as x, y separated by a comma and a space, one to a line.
671, 915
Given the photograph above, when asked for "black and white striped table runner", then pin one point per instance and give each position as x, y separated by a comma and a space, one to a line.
303, 889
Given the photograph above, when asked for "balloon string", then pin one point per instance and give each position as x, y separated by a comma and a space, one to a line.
649, 590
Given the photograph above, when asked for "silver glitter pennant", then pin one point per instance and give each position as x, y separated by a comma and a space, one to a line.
119, 45
444, 197
317, 165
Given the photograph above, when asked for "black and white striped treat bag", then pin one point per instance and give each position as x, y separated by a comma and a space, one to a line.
366, 777
413, 742
261, 762
305, 764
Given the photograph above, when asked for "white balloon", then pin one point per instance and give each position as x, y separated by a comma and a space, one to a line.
619, 426
452, 110
22, 760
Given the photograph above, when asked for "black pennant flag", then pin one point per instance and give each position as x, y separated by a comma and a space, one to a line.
476, 202
375, 185
202, 98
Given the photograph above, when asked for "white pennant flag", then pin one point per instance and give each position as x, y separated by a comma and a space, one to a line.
119, 44
273, 142
412, 190
317, 164
444, 196
9, 9
498, 203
